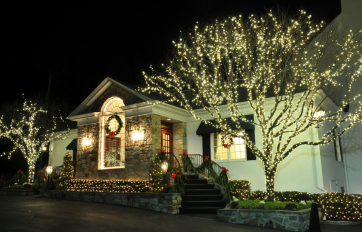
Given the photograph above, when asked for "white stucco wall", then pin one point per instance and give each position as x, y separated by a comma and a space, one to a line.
57, 149
300, 171
332, 169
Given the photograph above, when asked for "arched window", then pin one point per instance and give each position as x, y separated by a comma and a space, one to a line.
112, 147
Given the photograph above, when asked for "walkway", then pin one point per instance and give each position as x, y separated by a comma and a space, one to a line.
33, 213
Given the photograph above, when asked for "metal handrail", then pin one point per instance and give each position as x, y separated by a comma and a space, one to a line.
197, 159
172, 159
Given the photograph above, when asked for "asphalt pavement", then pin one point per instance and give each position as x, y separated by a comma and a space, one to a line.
34, 213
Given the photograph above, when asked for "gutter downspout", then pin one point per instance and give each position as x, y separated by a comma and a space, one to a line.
314, 167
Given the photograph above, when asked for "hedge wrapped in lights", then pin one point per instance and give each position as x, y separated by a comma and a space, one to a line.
120, 186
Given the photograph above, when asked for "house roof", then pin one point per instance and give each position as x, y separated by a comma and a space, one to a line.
103, 87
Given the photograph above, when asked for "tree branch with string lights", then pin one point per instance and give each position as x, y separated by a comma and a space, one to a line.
30, 130
279, 65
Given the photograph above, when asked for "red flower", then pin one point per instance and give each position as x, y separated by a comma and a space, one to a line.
2, 176
74, 163
206, 158
184, 153
111, 134
45, 175
174, 175
162, 151
178, 171
28, 172
224, 169
39, 171
226, 145
19, 171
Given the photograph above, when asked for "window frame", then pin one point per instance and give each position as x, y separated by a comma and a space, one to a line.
228, 149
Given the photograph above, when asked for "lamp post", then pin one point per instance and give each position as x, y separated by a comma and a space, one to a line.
164, 167
49, 171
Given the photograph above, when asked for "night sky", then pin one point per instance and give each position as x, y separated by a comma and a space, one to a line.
84, 43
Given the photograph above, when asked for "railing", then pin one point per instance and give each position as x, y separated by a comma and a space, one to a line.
197, 159
172, 159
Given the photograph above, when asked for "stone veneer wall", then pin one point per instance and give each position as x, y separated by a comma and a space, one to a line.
162, 202
156, 134
179, 140
138, 153
87, 156
112, 91
276, 219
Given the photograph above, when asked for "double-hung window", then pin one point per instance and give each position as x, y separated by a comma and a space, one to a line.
236, 151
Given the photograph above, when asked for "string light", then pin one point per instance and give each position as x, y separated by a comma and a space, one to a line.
26, 135
273, 60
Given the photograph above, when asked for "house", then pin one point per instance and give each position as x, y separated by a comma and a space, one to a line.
141, 129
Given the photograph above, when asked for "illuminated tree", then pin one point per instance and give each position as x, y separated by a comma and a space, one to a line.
30, 130
67, 170
282, 67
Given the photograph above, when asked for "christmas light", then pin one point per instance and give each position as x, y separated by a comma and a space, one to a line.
28, 137
281, 64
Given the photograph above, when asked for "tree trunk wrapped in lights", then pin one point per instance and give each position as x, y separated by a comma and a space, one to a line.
274, 61
30, 132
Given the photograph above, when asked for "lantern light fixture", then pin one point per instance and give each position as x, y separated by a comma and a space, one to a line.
49, 170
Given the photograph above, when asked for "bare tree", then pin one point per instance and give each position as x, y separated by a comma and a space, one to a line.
276, 60
30, 128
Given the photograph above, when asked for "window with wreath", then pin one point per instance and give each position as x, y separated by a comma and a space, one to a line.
113, 135
227, 148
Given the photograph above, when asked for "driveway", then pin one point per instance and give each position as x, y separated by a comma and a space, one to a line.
33, 213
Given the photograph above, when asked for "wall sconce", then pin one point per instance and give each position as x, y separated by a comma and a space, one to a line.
137, 135
86, 141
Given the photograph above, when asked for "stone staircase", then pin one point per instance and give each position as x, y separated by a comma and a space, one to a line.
201, 197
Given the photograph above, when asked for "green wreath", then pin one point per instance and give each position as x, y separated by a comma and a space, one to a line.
224, 137
120, 124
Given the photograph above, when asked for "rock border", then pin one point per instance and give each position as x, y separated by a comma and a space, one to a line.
161, 202
342, 223
17, 192
274, 219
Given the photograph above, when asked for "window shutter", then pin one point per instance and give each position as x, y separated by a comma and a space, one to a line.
249, 154
206, 146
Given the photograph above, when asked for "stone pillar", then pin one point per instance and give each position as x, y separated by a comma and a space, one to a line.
87, 161
156, 134
179, 140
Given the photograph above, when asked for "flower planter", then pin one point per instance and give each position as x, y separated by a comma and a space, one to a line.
275, 219
18, 192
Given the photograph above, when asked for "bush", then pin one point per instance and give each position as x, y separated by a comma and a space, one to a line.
276, 205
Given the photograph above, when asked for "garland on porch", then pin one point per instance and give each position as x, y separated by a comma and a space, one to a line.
179, 181
120, 125
221, 179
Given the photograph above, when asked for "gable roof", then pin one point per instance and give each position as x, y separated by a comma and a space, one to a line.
101, 88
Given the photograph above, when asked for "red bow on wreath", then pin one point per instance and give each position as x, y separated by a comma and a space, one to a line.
206, 158
19, 171
111, 133
224, 169
184, 153
162, 151
226, 145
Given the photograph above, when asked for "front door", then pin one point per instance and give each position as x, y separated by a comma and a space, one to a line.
166, 137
